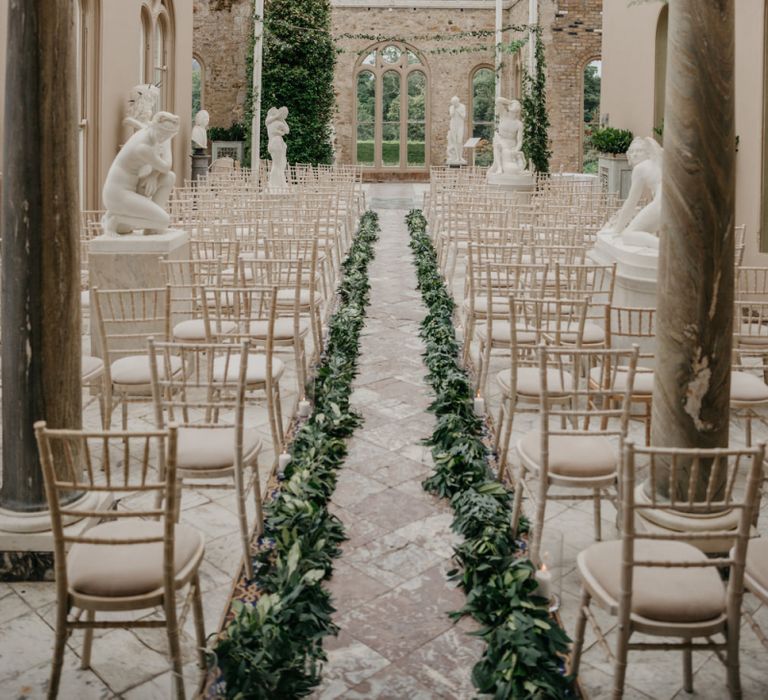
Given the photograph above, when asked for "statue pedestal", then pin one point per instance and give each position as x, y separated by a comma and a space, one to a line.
520, 184
200, 163
636, 269
132, 261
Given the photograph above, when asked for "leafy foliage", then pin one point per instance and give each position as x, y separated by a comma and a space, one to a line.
298, 74
235, 132
525, 647
535, 116
592, 82
610, 140
274, 649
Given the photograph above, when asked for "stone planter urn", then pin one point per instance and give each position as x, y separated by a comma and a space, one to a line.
615, 173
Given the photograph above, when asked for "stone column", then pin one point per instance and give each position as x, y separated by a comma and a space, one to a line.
695, 290
40, 268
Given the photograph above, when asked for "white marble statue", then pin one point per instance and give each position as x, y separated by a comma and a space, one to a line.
641, 228
199, 130
140, 179
277, 127
508, 158
458, 114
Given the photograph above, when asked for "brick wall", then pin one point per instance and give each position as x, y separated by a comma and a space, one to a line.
221, 41
222, 30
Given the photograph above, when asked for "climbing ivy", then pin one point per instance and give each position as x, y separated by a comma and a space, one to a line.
525, 646
297, 73
274, 648
534, 104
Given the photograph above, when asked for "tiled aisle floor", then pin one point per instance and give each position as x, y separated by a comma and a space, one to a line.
390, 586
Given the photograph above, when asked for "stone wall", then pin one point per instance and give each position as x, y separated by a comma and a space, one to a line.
571, 41
222, 34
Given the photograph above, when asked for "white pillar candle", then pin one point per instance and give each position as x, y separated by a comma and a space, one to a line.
479, 406
544, 581
284, 460
305, 408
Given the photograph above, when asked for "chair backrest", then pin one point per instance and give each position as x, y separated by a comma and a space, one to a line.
94, 463
750, 320
696, 482
127, 317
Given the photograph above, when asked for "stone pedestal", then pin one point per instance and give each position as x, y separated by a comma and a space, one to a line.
615, 174
637, 269
132, 262
200, 163
521, 185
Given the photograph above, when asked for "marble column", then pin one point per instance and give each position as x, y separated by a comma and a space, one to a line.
40, 248
695, 290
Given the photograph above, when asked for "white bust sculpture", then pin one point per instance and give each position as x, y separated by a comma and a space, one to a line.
508, 158
277, 127
458, 113
645, 157
140, 179
199, 133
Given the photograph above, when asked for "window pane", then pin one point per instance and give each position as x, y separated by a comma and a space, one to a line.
366, 96
483, 93
416, 144
417, 90
370, 59
365, 143
413, 58
390, 147
391, 54
197, 87
390, 104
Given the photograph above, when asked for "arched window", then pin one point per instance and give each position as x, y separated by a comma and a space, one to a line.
160, 60
660, 79
87, 13
592, 79
145, 49
482, 111
198, 84
391, 108
157, 49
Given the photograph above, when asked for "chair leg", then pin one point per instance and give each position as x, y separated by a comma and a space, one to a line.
279, 413
174, 647
257, 499
578, 636
504, 447
242, 517
517, 502
538, 524
598, 520
85, 661
732, 661
59, 646
124, 407
197, 612
620, 661
687, 669
648, 424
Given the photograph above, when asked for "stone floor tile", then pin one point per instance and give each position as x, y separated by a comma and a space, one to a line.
26, 643
433, 533
74, 683
351, 588
391, 508
353, 487
390, 684
12, 606
349, 662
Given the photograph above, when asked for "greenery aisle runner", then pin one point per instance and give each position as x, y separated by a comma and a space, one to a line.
524, 657
273, 648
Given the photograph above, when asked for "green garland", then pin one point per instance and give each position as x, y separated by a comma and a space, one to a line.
274, 649
535, 116
525, 647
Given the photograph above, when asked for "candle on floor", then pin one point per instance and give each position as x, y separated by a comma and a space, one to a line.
544, 581
284, 460
479, 405
305, 408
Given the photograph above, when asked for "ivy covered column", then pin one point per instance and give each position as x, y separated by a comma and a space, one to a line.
40, 249
696, 275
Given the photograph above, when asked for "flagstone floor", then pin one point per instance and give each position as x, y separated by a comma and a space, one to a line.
389, 586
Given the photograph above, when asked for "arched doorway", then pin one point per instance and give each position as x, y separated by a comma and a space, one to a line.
591, 84
392, 124
660, 70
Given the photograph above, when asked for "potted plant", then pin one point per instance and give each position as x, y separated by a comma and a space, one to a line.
614, 171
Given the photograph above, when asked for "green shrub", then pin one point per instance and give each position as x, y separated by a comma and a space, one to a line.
610, 140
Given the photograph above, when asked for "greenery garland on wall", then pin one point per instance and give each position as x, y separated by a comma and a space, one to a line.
525, 647
535, 116
273, 649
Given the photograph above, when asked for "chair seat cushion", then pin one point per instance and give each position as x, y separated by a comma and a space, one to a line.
135, 369
757, 562
91, 366
227, 369
500, 304
643, 380
674, 595
572, 455
528, 382
120, 570
746, 386
283, 328
287, 295
194, 329
501, 333
213, 448
592, 334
